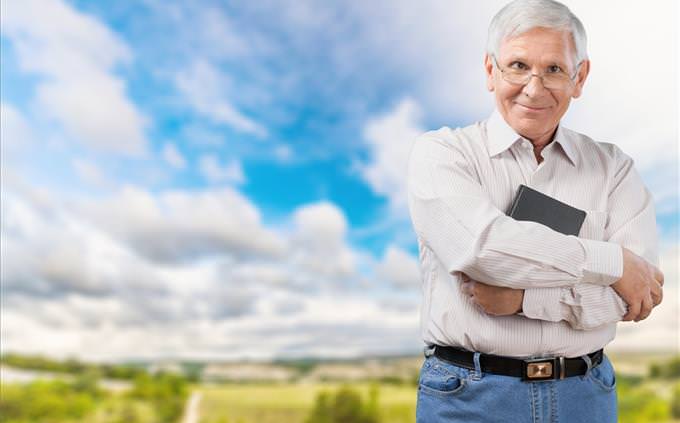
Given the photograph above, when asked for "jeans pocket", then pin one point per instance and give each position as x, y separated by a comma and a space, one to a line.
604, 375
437, 379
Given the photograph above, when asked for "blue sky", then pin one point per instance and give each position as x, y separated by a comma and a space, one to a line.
199, 177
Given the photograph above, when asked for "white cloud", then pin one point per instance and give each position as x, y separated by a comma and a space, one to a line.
89, 173
389, 138
319, 245
173, 157
178, 225
214, 172
15, 132
662, 180
74, 54
198, 135
283, 153
259, 272
441, 47
399, 268
322, 325
321, 223
48, 252
207, 91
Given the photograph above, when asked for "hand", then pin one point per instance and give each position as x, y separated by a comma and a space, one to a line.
494, 300
657, 293
640, 286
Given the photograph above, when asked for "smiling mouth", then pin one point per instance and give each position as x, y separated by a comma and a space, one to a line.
533, 109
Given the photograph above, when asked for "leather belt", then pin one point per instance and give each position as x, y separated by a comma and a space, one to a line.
530, 369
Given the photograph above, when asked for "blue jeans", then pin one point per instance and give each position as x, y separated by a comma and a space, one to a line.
449, 393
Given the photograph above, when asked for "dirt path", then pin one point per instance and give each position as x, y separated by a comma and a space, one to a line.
191, 414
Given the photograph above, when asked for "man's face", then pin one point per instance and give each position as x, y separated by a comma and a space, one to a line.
532, 110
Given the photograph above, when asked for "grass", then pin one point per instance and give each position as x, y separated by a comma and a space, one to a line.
291, 403
120, 409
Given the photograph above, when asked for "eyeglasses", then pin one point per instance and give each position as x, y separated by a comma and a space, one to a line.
554, 79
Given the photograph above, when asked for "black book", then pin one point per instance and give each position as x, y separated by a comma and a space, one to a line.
535, 206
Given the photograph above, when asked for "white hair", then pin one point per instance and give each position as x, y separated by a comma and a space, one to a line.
521, 16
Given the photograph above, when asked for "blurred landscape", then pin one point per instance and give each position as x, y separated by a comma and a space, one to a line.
381, 389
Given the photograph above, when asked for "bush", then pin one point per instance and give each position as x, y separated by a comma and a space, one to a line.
640, 404
675, 402
167, 393
667, 370
45, 401
346, 406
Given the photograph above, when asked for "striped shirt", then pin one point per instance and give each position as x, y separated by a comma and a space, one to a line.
460, 181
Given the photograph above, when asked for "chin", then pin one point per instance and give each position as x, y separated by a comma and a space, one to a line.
533, 119
529, 126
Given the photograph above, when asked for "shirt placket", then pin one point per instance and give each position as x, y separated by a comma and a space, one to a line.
530, 166
523, 152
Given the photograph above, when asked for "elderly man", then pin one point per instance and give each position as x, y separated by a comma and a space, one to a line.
515, 315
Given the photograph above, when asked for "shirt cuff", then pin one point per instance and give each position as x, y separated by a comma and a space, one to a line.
604, 262
543, 304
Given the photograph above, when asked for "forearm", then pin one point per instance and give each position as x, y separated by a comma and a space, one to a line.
498, 250
583, 306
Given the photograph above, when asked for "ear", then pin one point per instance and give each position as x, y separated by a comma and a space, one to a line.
488, 68
583, 72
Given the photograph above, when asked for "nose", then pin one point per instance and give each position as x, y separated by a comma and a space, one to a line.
535, 87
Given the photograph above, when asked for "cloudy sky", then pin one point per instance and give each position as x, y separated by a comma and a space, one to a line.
193, 180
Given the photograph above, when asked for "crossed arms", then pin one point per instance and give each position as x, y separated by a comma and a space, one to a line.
585, 282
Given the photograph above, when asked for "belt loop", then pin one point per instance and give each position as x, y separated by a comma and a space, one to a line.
478, 368
428, 350
589, 363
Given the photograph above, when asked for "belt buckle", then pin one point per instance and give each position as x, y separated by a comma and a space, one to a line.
545, 368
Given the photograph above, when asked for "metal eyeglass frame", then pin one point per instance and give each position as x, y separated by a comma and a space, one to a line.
531, 75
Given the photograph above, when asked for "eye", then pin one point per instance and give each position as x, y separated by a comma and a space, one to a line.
518, 66
554, 69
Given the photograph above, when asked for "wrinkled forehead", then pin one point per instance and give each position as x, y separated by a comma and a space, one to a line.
540, 44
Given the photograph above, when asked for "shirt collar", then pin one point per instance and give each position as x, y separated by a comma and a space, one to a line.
500, 137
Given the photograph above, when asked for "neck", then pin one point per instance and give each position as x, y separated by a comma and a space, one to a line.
540, 141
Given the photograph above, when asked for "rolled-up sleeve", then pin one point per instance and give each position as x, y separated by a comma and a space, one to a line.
631, 223
454, 216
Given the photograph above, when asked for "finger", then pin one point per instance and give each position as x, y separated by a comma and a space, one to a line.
633, 311
654, 288
657, 296
658, 275
646, 309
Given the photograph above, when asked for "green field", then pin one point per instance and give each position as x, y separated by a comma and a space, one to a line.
291, 403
